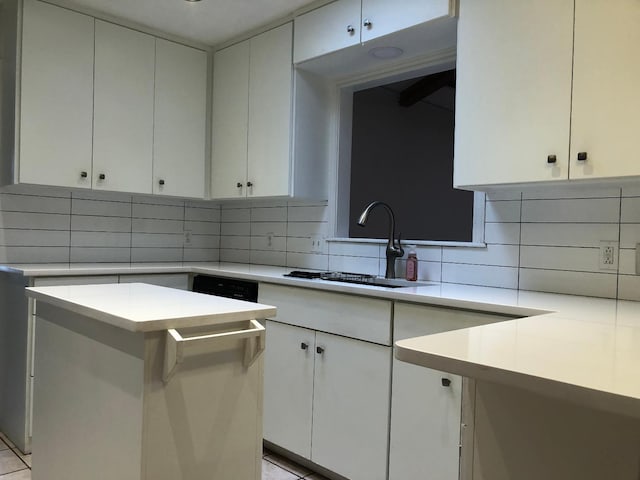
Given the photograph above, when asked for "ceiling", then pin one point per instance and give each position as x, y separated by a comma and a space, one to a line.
209, 21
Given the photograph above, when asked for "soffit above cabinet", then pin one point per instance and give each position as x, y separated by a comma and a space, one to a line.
210, 22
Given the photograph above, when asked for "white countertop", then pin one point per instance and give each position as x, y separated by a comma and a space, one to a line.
572, 346
139, 307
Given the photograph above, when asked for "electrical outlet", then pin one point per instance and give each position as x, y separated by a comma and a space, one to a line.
608, 255
187, 237
316, 244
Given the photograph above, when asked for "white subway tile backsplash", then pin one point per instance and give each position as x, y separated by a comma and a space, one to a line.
502, 211
306, 229
366, 265
629, 287
576, 259
159, 200
312, 261
429, 271
627, 261
34, 221
629, 235
308, 214
84, 223
234, 256
568, 234
164, 212
304, 245
148, 225
235, 215
572, 283
100, 239
276, 244
35, 254
202, 214
100, 208
269, 214
502, 255
425, 253
148, 254
235, 242
202, 228
502, 233
30, 203
563, 192
630, 210
100, 255
204, 241
260, 257
269, 228
34, 238
587, 210
484, 275
201, 255
237, 229
631, 190
354, 249
502, 195
159, 240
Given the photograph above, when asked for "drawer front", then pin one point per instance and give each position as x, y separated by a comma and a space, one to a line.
414, 320
352, 316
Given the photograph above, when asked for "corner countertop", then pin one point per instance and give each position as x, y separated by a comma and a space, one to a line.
581, 348
139, 307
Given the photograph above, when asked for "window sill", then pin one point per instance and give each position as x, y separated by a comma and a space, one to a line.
421, 243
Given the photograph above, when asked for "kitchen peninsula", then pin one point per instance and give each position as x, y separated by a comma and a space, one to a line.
146, 382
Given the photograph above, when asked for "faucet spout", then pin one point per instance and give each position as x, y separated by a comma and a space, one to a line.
393, 250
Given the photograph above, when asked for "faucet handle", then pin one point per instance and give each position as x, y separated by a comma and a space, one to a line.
399, 247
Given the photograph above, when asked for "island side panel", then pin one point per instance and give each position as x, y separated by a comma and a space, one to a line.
524, 435
206, 422
88, 398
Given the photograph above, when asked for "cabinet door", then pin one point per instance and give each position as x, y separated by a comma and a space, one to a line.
230, 121
180, 120
513, 91
270, 97
326, 29
56, 99
351, 407
288, 387
123, 109
382, 17
606, 75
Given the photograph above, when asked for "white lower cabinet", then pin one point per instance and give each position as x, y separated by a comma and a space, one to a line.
426, 404
327, 399
327, 396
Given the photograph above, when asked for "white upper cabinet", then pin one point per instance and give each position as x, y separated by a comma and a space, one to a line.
540, 100
123, 109
56, 102
513, 91
606, 99
270, 114
382, 17
345, 23
179, 120
230, 121
327, 29
252, 117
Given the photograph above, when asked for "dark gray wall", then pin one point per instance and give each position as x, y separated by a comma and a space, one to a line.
404, 157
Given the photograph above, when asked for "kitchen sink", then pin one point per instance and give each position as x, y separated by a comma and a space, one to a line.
359, 279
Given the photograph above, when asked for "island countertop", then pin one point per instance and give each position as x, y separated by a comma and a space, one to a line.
139, 307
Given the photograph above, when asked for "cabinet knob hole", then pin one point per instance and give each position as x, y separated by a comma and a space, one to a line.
83, 174
249, 184
551, 159
239, 185
446, 382
582, 156
161, 182
304, 345
102, 176
319, 350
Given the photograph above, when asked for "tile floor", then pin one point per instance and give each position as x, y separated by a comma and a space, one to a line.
16, 466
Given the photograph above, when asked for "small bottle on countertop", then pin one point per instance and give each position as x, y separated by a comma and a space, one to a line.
411, 272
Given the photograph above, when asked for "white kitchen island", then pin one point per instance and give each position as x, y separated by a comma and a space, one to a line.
554, 396
140, 382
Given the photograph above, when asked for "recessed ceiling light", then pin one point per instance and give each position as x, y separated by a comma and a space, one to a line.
386, 52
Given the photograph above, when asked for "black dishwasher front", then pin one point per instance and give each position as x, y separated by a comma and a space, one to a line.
226, 287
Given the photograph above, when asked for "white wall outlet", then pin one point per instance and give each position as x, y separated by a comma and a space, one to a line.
187, 237
316, 244
608, 258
